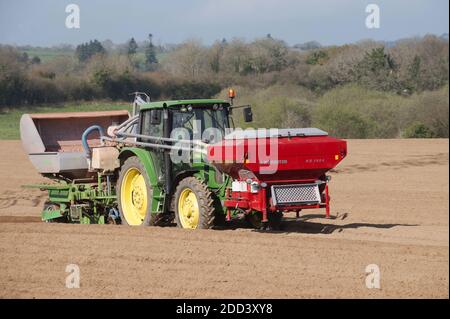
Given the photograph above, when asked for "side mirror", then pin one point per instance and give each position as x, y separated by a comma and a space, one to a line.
248, 115
155, 117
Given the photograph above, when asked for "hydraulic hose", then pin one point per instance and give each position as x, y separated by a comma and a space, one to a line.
85, 135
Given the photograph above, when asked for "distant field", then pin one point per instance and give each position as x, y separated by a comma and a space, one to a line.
46, 54
9, 119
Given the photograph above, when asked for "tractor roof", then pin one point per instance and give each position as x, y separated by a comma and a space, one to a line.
161, 104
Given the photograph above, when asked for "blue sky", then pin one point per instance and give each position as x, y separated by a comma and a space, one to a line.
171, 21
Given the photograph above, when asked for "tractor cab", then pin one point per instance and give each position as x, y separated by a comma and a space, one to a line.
206, 120
191, 118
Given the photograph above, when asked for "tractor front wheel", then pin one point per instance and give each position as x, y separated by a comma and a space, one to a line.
134, 194
194, 205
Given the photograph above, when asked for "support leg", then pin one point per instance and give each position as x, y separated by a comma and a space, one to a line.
327, 202
228, 214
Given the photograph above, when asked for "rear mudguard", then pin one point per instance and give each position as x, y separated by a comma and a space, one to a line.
148, 161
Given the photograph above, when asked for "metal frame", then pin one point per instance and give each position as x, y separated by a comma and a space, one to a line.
275, 199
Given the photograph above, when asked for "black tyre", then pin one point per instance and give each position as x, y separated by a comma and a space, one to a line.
194, 207
135, 194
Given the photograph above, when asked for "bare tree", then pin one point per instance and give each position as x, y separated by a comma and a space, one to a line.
188, 60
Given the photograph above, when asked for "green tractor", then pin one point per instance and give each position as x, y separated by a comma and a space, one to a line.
161, 164
151, 187
130, 177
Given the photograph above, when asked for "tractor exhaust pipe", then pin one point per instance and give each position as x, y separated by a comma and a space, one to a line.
167, 160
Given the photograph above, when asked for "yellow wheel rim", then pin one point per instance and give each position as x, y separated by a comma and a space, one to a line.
188, 210
133, 197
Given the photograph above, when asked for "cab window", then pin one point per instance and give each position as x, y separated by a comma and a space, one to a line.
147, 127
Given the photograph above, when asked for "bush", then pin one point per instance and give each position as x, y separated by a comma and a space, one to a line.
356, 112
42, 90
418, 130
430, 108
78, 89
278, 106
12, 77
119, 86
318, 57
12, 89
190, 90
343, 123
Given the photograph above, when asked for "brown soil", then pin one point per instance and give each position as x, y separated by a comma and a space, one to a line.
389, 199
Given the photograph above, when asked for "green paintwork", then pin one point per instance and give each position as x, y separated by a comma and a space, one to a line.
152, 167
47, 215
65, 194
172, 103
100, 200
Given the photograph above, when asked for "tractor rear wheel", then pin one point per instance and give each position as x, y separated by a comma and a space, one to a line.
134, 194
194, 207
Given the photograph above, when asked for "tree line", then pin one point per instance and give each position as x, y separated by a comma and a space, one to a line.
313, 76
